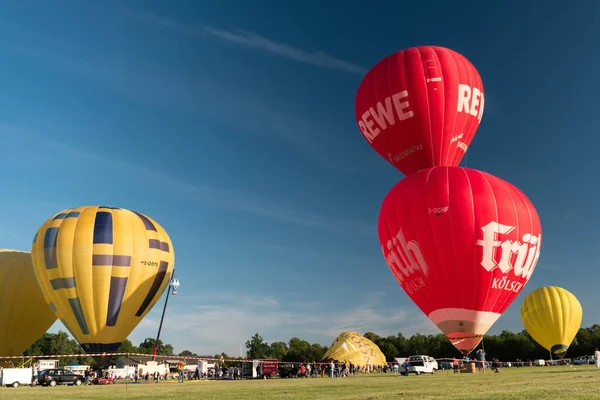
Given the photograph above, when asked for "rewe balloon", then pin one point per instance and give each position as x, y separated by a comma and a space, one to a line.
101, 269
462, 244
420, 107
552, 316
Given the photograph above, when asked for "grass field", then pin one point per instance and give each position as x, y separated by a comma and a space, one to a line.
564, 382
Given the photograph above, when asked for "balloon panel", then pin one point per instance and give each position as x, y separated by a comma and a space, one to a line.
462, 244
356, 349
420, 107
24, 315
103, 269
552, 316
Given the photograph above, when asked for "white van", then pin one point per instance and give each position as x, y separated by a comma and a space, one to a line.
417, 365
15, 377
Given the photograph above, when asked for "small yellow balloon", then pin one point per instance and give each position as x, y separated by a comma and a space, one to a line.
24, 315
552, 316
102, 269
350, 347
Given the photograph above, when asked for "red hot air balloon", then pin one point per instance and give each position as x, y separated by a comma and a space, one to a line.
420, 107
462, 244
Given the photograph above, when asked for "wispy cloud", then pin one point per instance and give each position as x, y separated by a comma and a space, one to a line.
255, 41
212, 322
202, 98
245, 202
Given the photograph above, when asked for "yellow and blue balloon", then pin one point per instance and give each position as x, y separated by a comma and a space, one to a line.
101, 270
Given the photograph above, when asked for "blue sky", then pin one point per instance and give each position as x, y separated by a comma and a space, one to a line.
232, 124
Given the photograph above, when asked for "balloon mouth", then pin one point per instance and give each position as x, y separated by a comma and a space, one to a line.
559, 350
463, 342
98, 348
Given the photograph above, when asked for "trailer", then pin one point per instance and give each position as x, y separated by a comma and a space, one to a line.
16, 377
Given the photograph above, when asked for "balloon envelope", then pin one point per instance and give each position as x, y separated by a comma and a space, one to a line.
420, 107
102, 269
462, 244
24, 315
552, 316
350, 347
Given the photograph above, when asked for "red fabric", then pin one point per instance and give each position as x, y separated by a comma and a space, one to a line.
423, 128
431, 229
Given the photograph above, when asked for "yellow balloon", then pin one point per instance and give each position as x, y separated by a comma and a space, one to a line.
24, 315
552, 316
350, 347
102, 269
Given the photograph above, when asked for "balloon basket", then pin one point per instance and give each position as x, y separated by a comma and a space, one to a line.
468, 368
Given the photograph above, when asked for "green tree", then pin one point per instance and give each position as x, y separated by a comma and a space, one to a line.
57, 343
147, 347
127, 347
257, 348
278, 350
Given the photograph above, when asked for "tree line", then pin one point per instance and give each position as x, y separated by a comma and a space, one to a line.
506, 346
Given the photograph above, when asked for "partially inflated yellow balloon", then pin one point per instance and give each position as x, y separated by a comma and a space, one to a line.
24, 315
350, 347
102, 269
552, 316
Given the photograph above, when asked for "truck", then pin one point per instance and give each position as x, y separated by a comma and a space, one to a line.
418, 364
16, 377
268, 368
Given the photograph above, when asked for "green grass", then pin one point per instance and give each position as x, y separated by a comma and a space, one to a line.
539, 383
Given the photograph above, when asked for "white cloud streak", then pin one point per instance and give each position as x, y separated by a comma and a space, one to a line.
199, 97
255, 41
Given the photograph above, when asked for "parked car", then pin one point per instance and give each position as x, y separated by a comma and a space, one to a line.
581, 360
59, 376
417, 365
288, 370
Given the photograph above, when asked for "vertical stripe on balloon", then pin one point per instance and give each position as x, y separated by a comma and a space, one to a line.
50, 238
147, 223
115, 299
158, 280
78, 312
103, 228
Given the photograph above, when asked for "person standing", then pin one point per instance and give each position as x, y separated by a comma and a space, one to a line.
180, 367
597, 358
34, 373
480, 356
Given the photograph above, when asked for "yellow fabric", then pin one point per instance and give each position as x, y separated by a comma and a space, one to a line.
350, 347
552, 316
103, 269
24, 315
